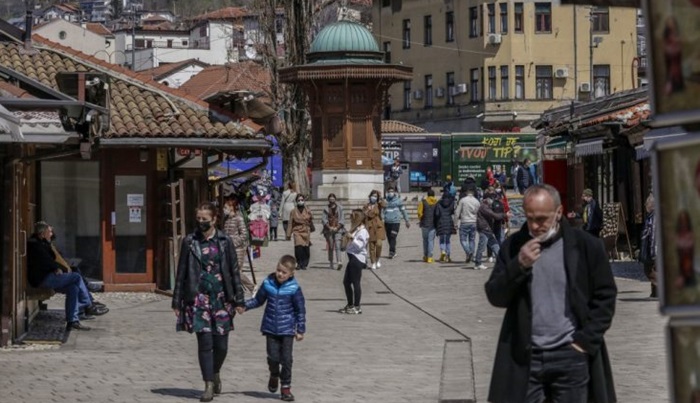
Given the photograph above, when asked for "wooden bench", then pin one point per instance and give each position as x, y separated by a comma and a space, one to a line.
39, 294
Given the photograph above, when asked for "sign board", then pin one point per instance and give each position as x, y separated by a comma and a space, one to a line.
683, 341
673, 35
605, 3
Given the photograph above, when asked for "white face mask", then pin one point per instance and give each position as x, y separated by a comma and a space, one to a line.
551, 232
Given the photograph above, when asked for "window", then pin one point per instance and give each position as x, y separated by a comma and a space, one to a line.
449, 26
543, 82
505, 86
481, 21
428, 91
492, 82
504, 17
450, 80
518, 17
386, 3
170, 43
600, 20
139, 43
519, 82
184, 43
203, 31
543, 18
406, 95
427, 30
387, 52
601, 80
406, 34
62, 35
473, 22
474, 74
492, 18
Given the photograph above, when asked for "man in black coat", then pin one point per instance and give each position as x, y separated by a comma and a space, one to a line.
559, 291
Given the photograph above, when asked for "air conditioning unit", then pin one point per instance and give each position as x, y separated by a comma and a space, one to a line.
561, 72
585, 87
418, 94
494, 39
439, 92
461, 88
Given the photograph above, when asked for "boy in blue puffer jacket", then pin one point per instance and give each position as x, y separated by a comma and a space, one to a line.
283, 321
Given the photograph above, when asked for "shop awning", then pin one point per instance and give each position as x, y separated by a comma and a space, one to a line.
655, 135
642, 152
35, 127
594, 147
188, 142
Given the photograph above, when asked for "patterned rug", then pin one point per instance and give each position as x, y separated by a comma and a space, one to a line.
48, 327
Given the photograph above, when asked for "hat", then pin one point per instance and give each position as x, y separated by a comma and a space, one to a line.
588, 192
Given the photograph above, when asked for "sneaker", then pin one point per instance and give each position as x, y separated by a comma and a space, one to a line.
425, 258
287, 395
430, 260
481, 267
347, 309
379, 265
442, 256
354, 310
373, 266
491, 259
339, 267
273, 383
332, 266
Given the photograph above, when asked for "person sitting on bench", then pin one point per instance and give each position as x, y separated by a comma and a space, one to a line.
44, 271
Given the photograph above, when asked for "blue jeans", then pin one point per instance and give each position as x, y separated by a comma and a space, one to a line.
71, 284
467, 234
428, 241
484, 240
445, 244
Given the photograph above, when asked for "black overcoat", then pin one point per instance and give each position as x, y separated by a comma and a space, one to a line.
592, 293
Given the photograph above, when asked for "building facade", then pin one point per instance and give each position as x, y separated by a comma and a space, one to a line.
497, 65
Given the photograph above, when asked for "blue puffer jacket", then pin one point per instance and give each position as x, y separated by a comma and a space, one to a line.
394, 211
285, 313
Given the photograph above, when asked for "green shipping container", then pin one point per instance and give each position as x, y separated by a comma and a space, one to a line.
470, 153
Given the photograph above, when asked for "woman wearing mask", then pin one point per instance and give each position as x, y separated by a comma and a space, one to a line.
333, 230
235, 227
357, 260
207, 289
375, 227
288, 205
301, 226
392, 215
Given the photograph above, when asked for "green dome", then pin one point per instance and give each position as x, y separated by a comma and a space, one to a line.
344, 36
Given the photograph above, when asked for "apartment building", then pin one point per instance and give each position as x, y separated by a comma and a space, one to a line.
497, 65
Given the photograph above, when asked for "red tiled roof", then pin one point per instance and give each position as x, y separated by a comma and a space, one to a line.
139, 107
98, 29
630, 116
228, 13
395, 126
12, 91
244, 76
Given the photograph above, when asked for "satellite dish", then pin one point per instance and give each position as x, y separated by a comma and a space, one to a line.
250, 52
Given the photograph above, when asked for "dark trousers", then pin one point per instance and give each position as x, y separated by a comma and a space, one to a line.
302, 254
273, 233
279, 353
352, 280
558, 376
392, 232
212, 349
284, 227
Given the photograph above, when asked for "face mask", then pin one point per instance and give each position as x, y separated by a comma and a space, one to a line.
331, 201
204, 226
300, 203
227, 211
552, 231
390, 195
498, 191
373, 199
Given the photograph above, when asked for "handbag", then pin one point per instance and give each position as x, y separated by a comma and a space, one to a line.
345, 241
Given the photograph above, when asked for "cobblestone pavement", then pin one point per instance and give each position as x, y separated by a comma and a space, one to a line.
391, 353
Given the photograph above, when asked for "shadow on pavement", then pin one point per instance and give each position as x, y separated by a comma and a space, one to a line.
178, 392
643, 299
259, 395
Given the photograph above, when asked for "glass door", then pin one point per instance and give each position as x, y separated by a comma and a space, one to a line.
129, 224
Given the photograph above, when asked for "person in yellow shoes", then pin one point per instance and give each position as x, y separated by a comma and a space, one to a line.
426, 220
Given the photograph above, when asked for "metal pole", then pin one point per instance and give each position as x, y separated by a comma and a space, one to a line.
590, 56
575, 55
133, 38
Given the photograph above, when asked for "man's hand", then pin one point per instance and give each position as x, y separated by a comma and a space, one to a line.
240, 310
58, 272
408, 224
571, 215
177, 312
529, 253
299, 336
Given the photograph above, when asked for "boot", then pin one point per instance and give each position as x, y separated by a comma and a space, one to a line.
653, 291
208, 394
217, 384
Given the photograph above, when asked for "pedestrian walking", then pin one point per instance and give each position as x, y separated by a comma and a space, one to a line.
395, 175
426, 220
357, 240
289, 197
465, 220
301, 225
333, 230
274, 219
392, 215
647, 251
524, 177
375, 227
444, 225
236, 228
284, 321
592, 214
500, 206
484, 225
207, 290
559, 293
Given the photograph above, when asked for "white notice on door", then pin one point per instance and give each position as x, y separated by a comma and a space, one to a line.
134, 200
134, 214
